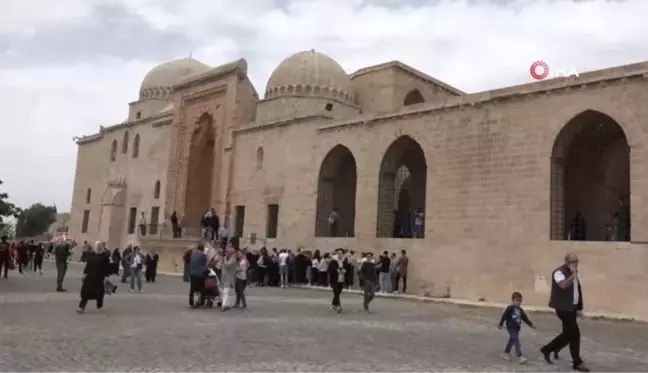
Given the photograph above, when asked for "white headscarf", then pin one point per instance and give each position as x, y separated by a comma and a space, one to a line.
99, 247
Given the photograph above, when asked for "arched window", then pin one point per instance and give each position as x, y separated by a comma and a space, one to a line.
125, 143
590, 180
136, 144
259, 158
113, 151
156, 190
413, 97
88, 195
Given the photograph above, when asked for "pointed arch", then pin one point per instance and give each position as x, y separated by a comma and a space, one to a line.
125, 143
590, 180
336, 194
113, 150
156, 190
136, 145
88, 195
200, 171
402, 190
413, 97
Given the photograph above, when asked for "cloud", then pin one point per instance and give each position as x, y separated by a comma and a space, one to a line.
68, 66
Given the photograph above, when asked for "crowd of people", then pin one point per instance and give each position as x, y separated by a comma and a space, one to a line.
283, 268
26, 256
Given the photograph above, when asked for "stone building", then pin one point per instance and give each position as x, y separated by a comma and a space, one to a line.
507, 180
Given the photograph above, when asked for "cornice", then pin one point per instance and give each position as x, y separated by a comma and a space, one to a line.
525, 91
280, 123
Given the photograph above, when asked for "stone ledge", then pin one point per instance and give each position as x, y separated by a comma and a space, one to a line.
471, 303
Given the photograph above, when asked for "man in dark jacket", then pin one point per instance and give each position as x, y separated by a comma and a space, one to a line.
369, 279
62, 252
567, 299
337, 274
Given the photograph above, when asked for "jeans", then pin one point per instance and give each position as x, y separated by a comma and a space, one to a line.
418, 231
400, 277
239, 288
136, 275
126, 273
368, 294
384, 281
570, 336
283, 275
61, 269
513, 341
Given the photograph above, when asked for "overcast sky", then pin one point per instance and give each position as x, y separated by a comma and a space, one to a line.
69, 66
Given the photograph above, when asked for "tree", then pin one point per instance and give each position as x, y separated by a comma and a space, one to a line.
7, 209
35, 220
8, 229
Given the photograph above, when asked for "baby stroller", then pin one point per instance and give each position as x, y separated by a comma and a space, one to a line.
212, 292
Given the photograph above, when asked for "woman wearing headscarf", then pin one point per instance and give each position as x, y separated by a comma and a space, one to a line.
228, 277
96, 269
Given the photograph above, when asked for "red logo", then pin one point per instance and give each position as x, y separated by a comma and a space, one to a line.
539, 70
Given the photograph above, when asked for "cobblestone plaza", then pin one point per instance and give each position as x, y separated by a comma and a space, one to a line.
286, 330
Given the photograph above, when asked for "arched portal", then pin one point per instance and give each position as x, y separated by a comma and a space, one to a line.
336, 190
401, 190
200, 172
590, 180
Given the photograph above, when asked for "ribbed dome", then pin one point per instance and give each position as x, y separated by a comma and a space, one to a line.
309, 72
158, 82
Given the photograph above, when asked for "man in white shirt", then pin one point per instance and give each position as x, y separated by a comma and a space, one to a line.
283, 268
567, 299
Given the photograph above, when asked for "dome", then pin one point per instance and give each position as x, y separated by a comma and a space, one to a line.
310, 72
158, 82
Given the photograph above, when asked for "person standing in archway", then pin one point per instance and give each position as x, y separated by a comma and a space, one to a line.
333, 222
419, 217
567, 299
622, 221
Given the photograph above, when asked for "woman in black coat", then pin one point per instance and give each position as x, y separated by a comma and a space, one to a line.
96, 269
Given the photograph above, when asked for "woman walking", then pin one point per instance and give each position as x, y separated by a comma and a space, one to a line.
96, 269
228, 278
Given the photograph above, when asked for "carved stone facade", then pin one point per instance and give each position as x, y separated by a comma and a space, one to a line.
493, 187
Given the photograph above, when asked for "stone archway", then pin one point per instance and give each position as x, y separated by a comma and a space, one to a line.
200, 172
590, 180
336, 189
401, 188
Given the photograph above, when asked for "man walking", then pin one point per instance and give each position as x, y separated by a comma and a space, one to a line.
567, 299
62, 253
368, 279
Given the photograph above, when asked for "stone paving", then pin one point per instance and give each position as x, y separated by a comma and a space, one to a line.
286, 330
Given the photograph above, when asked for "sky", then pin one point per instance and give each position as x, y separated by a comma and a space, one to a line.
69, 66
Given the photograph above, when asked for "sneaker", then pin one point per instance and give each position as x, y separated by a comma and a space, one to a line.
80, 311
581, 368
132, 291
505, 356
546, 356
522, 360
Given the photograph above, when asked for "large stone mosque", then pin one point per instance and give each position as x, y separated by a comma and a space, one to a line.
507, 180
